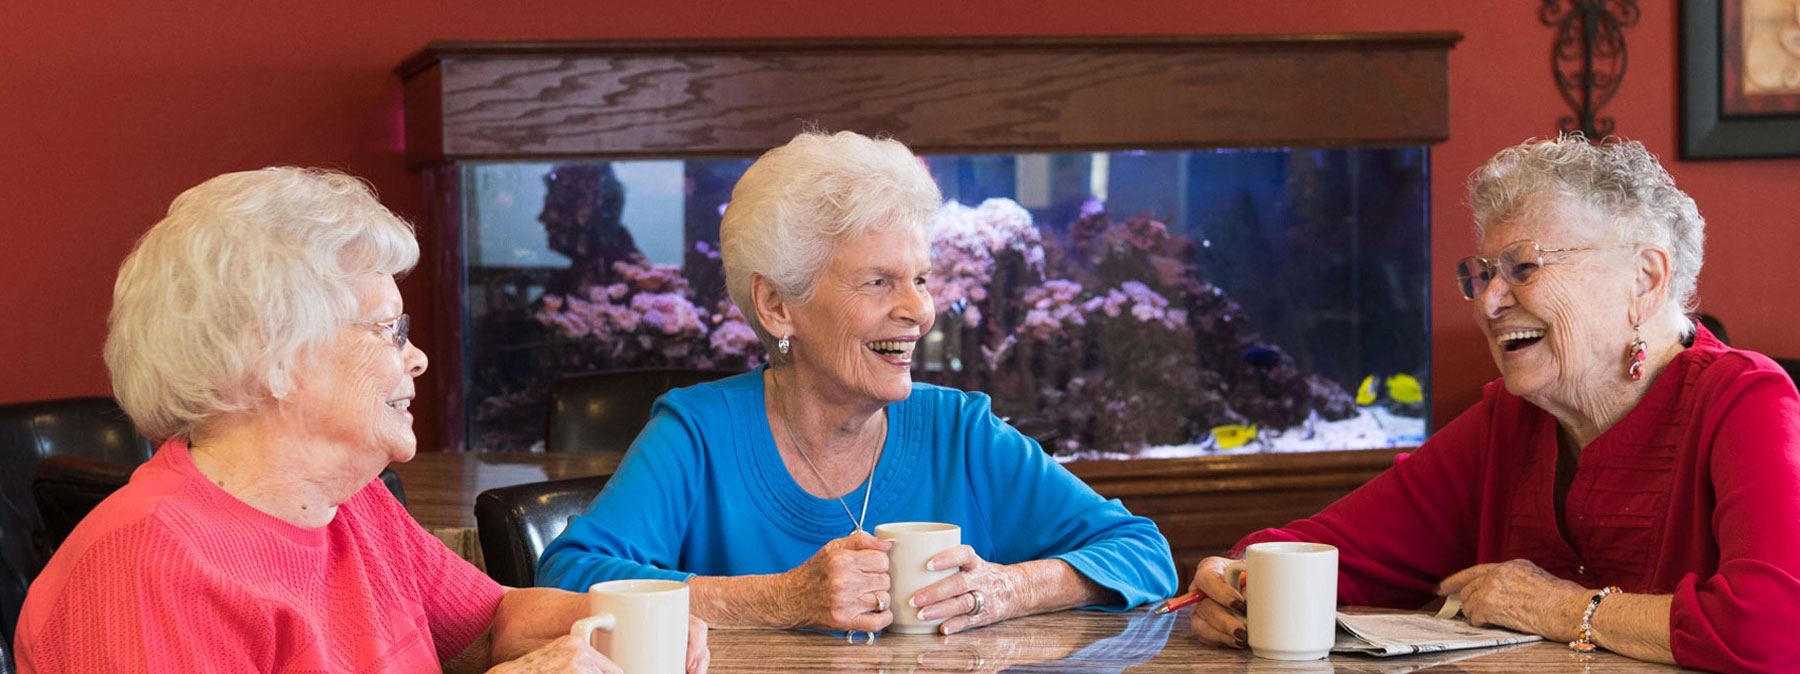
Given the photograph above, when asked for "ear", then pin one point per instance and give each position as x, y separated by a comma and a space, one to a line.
773, 309
1651, 282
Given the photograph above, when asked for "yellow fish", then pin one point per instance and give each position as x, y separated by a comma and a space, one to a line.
1403, 388
1233, 436
1365, 394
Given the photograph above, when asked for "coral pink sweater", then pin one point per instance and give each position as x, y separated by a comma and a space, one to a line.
172, 574
1695, 494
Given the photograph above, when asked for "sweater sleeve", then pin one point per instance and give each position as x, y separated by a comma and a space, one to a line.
635, 527
1413, 525
139, 602
1742, 618
459, 599
1039, 510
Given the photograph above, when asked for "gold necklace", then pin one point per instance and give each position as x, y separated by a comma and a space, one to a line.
781, 408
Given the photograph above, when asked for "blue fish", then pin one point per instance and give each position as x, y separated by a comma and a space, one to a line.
1261, 357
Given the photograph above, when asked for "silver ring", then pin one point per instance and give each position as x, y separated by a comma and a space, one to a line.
980, 603
880, 603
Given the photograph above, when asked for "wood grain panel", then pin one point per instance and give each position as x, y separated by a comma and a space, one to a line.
1203, 505
611, 100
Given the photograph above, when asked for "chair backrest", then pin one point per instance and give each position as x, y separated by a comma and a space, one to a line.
603, 411
1792, 365
29, 432
515, 523
66, 489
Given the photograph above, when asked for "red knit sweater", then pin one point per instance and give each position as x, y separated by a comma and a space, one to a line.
172, 574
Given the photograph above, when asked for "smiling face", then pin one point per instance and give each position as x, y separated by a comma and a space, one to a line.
1564, 333
356, 398
855, 337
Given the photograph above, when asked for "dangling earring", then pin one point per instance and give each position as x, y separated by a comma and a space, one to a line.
1637, 354
782, 345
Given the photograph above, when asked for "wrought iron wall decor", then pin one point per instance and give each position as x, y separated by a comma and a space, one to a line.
1588, 57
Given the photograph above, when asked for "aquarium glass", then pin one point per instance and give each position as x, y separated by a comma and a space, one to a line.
1113, 305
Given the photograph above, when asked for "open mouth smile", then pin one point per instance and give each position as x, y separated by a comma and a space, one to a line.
898, 352
1513, 340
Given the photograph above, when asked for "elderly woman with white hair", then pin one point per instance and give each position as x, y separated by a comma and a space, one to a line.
1629, 483
257, 333
759, 490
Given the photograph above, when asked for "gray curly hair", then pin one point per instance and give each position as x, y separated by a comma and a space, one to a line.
1615, 178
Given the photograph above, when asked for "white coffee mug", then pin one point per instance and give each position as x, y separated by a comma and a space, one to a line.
1291, 597
915, 542
642, 624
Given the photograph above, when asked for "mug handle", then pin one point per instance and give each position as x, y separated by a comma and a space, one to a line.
585, 627
1236, 574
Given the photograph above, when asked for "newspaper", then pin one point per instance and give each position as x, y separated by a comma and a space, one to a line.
1382, 634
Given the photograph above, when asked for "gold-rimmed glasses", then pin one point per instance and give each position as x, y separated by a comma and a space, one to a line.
1518, 262
397, 329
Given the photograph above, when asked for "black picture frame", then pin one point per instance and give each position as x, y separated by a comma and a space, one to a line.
1707, 130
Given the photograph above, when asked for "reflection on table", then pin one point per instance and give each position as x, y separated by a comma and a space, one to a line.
1094, 641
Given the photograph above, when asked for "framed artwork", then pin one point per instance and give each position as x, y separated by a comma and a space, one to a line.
1740, 79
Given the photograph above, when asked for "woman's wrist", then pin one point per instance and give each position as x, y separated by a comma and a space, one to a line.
1566, 623
744, 601
1584, 633
1047, 585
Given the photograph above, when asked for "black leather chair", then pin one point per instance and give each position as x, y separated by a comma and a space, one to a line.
1792, 365
30, 432
604, 411
1715, 326
515, 523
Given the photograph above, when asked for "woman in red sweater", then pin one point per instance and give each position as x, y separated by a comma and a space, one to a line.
1626, 460
256, 331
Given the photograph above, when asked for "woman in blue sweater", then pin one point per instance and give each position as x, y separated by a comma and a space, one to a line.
759, 490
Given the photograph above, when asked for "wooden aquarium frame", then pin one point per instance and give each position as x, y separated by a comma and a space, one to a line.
603, 100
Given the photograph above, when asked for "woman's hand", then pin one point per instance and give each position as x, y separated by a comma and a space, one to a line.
1000, 588
1218, 619
1004, 590
566, 653
843, 587
1517, 594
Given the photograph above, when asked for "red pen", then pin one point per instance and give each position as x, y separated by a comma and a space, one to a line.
1179, 603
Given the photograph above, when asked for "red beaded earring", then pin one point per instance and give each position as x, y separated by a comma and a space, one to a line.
1636, 354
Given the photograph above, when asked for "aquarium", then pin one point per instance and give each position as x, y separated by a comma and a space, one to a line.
1113, 304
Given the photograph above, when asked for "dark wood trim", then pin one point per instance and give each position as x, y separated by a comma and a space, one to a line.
1203, 505
437, 50
445, 260
685, 98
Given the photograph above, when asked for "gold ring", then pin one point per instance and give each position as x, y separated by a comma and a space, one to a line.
980, 603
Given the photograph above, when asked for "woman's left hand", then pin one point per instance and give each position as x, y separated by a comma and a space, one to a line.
1517, 594
998, 586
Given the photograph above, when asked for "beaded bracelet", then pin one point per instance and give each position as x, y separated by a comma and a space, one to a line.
1584, 639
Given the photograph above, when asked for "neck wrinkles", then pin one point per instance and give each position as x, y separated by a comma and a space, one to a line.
1592, 411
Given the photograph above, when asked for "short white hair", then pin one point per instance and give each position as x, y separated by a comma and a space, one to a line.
793, 206
219, 303
1619, 180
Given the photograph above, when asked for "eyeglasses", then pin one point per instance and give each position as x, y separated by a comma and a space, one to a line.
399, 327
1518, 263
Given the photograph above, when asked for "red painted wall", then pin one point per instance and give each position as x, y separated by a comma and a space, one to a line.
108, 110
